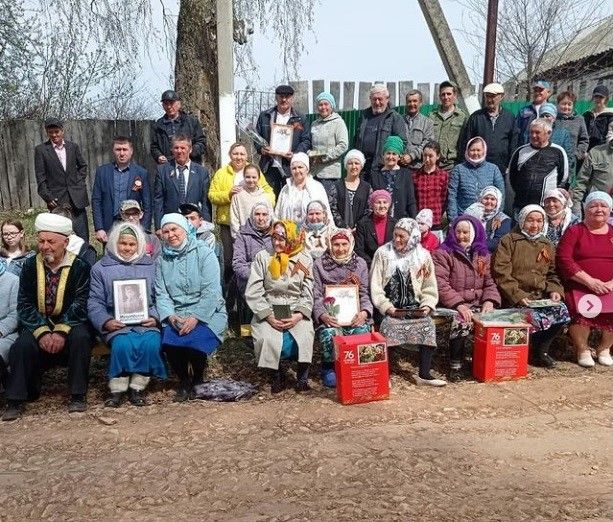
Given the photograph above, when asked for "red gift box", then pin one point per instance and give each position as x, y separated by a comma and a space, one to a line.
362, 370
501, 351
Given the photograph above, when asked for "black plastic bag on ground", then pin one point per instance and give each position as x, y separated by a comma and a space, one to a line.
225, 390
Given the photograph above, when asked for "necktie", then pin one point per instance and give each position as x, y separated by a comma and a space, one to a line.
182, 192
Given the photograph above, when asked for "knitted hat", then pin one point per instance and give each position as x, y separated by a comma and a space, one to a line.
326, 96
379, 194
425, 217
356, 155
175, 218
393, 144
300, 157
548, 108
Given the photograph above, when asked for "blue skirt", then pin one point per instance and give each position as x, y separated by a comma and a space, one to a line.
200, 338
134, 352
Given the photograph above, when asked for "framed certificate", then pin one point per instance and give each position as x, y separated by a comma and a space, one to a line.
130, 300
342, 302
281, 138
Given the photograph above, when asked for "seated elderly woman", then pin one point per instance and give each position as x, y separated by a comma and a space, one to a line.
189, 302
403, 289
13, 246
9, 286
316, 227
524, 270
558, 207
301, 188
135, 346
280, 295
585, 262
496, 222
465, 284
350, 203
339, 265
377, 228
252, 237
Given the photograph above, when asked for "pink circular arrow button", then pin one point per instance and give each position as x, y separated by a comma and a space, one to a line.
589, 306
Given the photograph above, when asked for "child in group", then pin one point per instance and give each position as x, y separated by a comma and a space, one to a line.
431, 185
243, 201
428, 239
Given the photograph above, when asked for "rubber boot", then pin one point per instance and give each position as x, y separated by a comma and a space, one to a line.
456, 348
302, 382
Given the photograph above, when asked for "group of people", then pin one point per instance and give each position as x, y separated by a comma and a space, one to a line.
415, 230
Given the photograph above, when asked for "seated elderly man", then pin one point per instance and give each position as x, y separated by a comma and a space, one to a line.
52, 308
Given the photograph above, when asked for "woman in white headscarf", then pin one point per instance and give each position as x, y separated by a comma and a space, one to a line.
316, 226
495, 222
558, 207
403, 289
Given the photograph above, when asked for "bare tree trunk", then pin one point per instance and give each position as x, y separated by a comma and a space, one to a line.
196, 69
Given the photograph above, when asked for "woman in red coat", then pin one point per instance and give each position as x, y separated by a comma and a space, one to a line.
585, 264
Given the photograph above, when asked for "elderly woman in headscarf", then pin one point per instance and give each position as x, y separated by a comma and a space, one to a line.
301, 188
350, 203
403, 289
339, 265
558, 207
329, 141
252, 237
9, 287
280, 295
470, 177
375, 229
585, 262
189, 302
316, 227
496, 222
428, 239
135, 347
465, 283
525, 271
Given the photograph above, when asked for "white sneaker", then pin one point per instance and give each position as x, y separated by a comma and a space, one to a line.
429, 382
605, 359
585, 359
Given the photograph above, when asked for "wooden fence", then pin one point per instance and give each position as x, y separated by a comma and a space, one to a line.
94, 137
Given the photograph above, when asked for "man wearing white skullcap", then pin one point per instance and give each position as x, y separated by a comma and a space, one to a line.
52, 308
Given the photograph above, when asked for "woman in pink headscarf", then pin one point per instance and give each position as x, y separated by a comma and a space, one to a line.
375, 229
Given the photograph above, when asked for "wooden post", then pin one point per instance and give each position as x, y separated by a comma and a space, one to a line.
425, 91
318, 87
403, 89
348, 96
301, 96
391, 87
364, 95
335, 90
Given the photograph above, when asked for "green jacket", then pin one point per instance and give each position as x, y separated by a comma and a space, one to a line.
447, 133
596, 173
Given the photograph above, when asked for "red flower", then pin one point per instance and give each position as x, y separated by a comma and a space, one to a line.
138, 184
329, 300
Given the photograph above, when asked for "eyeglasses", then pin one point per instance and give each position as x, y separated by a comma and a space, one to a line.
10, 234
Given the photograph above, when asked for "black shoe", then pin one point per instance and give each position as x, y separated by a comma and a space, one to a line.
114, 400
277, 381
77, 404
182, 395
455, 375
302, 386
545, 360
14, 410
136, 398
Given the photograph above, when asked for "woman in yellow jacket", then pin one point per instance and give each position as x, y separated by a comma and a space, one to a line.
226, 182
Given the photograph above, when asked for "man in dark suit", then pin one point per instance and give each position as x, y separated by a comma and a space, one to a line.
116, 182
61, 175
180, 181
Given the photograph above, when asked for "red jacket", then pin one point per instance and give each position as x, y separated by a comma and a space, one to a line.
429, 241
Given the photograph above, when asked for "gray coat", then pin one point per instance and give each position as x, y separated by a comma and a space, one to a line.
575, 125
420, 130
293, 288
100, 305
329, 135
247, 244
9, 287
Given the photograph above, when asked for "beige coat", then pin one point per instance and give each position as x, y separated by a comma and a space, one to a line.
295, 290
423, 279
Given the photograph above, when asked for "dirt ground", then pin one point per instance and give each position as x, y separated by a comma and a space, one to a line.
535, 449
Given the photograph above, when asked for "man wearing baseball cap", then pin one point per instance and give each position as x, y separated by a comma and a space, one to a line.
175, 122
541, 90
495, 125
53, 292
599, 117
275, 166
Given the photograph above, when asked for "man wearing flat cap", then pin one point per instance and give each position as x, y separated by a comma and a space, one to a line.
175, 122
495, 125
52, 308
541, 91
61, 174
274, 166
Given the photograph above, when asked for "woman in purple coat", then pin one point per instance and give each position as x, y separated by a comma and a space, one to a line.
339, 265
135, 348
465, 283
252, 237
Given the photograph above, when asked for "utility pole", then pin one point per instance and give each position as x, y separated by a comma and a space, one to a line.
490, 42
225, 70
448, 51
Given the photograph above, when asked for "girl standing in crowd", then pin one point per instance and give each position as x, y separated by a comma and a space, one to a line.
135, 348
339, 265
558, 205
396, 180
585, 262
403, 289
496, 222
375, 229
13, 246
470, 177
316, 227
428, 240
243, 201
524, 270
432, 184
189, 302
9, 288
280, 295
351, 201
465, 284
